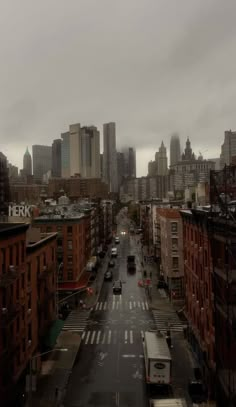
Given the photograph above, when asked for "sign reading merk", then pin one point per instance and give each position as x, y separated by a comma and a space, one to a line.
20, 210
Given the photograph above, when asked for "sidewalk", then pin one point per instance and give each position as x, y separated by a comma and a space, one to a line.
52, 382
55, 372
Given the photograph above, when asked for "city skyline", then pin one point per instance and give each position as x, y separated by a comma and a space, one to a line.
174, 80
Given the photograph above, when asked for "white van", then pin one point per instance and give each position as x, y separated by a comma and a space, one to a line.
114, 252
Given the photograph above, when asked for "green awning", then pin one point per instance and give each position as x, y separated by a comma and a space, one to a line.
51, 337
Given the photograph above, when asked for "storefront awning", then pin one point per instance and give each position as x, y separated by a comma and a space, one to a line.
51, 337
76, 285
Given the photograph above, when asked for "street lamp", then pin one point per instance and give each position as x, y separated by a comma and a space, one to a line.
30, 370
57, 289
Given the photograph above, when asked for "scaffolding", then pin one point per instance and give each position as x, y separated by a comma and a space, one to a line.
222, 229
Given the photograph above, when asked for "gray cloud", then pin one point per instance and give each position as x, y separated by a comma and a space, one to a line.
154, 67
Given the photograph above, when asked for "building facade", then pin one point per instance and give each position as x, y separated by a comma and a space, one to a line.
77, 187
175, 152
81, 152
161, 160
228, 148
42, 160
199, 291
22, 268
110, 157
4, 186
56, 158
27, 163
172, 263
73, 245
189, 172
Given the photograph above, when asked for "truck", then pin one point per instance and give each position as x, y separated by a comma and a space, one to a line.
131, 265
168, 403
157, 357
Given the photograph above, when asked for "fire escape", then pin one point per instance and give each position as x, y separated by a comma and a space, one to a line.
222, 229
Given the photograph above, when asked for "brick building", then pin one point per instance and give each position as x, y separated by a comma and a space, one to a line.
4, 185
73, 247
199, 290
76, 187
172, 265
28, 193
19, 298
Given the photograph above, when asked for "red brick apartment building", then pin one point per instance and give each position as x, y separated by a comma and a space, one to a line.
171, 238
20, 295
73, 247
199, 302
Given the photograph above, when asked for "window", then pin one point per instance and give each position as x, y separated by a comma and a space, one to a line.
3, 255
48, 229
174, 227
70, 261
17, 325
59, 229
174, 244
69, 245
29, 302
70, 275
69, 229
23, 281
28, 272
175, 262
22, 251
11, 255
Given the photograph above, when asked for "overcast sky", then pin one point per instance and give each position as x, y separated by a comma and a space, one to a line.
153, 66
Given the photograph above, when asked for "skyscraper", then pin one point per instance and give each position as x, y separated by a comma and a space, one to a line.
175, 155
4, 185
80, 152
27, 163
42, 160
161, 160
90, 152
110, 156
228, 148
56, 158
129, 162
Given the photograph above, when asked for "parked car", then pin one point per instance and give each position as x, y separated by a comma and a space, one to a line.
117, 287
111, 263
108, 275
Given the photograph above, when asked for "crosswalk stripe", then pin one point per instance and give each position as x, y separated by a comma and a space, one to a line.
96, 308
117, 305
105, 306
143, 307
109, 337
83, 335
130, 305
139, 304
98, 337
134, 304
104, 338
147, 306
114, 337
126, 336
100, 307
168, 319
87, 338
92, 338
113, 305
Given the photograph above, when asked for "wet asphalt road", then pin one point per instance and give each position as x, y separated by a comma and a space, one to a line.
110, 371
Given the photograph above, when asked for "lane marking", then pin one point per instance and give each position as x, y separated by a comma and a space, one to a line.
97, 306
130, 305
131, 337
147, 305
117, 305
109, 337
134, 304
105, 306
143, 306
139, 304
126, 336
113, 305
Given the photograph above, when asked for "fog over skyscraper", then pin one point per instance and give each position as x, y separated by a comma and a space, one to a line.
110, 156
174, 149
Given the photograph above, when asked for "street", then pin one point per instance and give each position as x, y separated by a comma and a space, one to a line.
109, 370
110, 367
